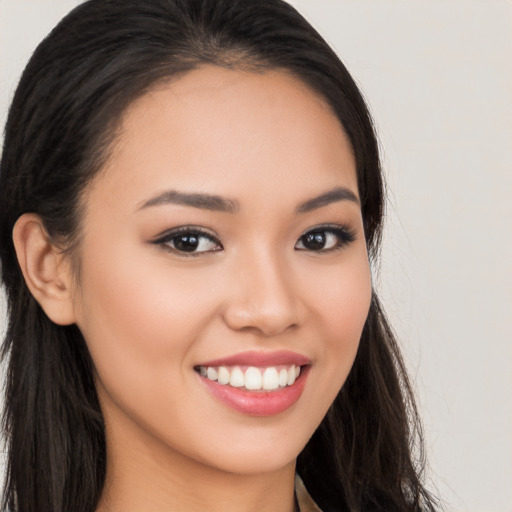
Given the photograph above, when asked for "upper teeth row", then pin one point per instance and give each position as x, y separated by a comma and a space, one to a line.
253, 378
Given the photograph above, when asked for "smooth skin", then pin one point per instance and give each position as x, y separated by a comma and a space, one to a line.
150, 312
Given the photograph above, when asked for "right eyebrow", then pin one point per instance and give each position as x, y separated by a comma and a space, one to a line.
202, 201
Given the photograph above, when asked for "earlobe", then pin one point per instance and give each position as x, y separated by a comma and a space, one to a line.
44, 268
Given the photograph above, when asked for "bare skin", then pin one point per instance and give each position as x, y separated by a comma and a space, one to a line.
277, 161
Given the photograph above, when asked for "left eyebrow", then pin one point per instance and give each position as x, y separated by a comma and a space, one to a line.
331, 196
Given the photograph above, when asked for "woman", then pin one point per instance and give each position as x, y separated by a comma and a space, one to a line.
190, 201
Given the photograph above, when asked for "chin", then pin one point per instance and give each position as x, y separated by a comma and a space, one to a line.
255, 453
257, 463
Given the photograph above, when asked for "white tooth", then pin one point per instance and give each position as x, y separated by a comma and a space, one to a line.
202, 370
270, 378
223, 375
297, 371
211, 373
253, 379
237, 378
283, 377
291, 375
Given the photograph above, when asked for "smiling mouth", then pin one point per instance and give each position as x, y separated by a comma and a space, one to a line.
252, 378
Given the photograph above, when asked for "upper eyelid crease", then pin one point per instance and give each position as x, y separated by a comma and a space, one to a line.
326, 227
332, 228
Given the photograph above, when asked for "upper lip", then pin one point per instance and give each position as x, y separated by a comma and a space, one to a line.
255, 358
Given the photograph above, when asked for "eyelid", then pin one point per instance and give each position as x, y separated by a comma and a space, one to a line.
167, 236
345, 236
186, 229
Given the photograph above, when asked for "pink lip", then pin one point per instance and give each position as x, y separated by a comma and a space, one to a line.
259, 403
260, 359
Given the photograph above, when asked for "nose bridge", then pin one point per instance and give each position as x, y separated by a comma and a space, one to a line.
264, 297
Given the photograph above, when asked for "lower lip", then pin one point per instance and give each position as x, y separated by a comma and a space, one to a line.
258, 403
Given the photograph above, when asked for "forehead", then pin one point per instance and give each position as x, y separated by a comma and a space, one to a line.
229, 131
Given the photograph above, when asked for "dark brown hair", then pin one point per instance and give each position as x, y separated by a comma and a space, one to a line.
63, 118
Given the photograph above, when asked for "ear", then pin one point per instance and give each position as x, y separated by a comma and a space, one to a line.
45, 269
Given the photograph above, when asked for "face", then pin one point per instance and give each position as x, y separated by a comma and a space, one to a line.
223, 255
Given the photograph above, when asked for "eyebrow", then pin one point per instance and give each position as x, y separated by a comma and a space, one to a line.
221, 204
331, 196
203, 201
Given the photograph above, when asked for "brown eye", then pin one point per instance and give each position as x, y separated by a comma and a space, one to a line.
315, 241
186, 243
189, 241
324, 239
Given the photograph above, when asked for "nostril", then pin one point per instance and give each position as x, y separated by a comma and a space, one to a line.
260, 323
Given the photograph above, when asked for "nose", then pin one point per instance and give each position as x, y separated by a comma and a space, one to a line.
263, 297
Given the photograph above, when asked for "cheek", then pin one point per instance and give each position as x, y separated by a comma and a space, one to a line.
136, 315
342, 303
343, 297
141, 321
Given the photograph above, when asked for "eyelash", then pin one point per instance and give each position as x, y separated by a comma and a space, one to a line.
343, 236
168, 239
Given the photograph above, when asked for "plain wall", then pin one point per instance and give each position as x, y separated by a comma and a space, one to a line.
438, 78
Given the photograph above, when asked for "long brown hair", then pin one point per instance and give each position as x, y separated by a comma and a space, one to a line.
366, 454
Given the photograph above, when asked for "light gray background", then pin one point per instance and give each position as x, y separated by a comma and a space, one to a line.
438, 78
